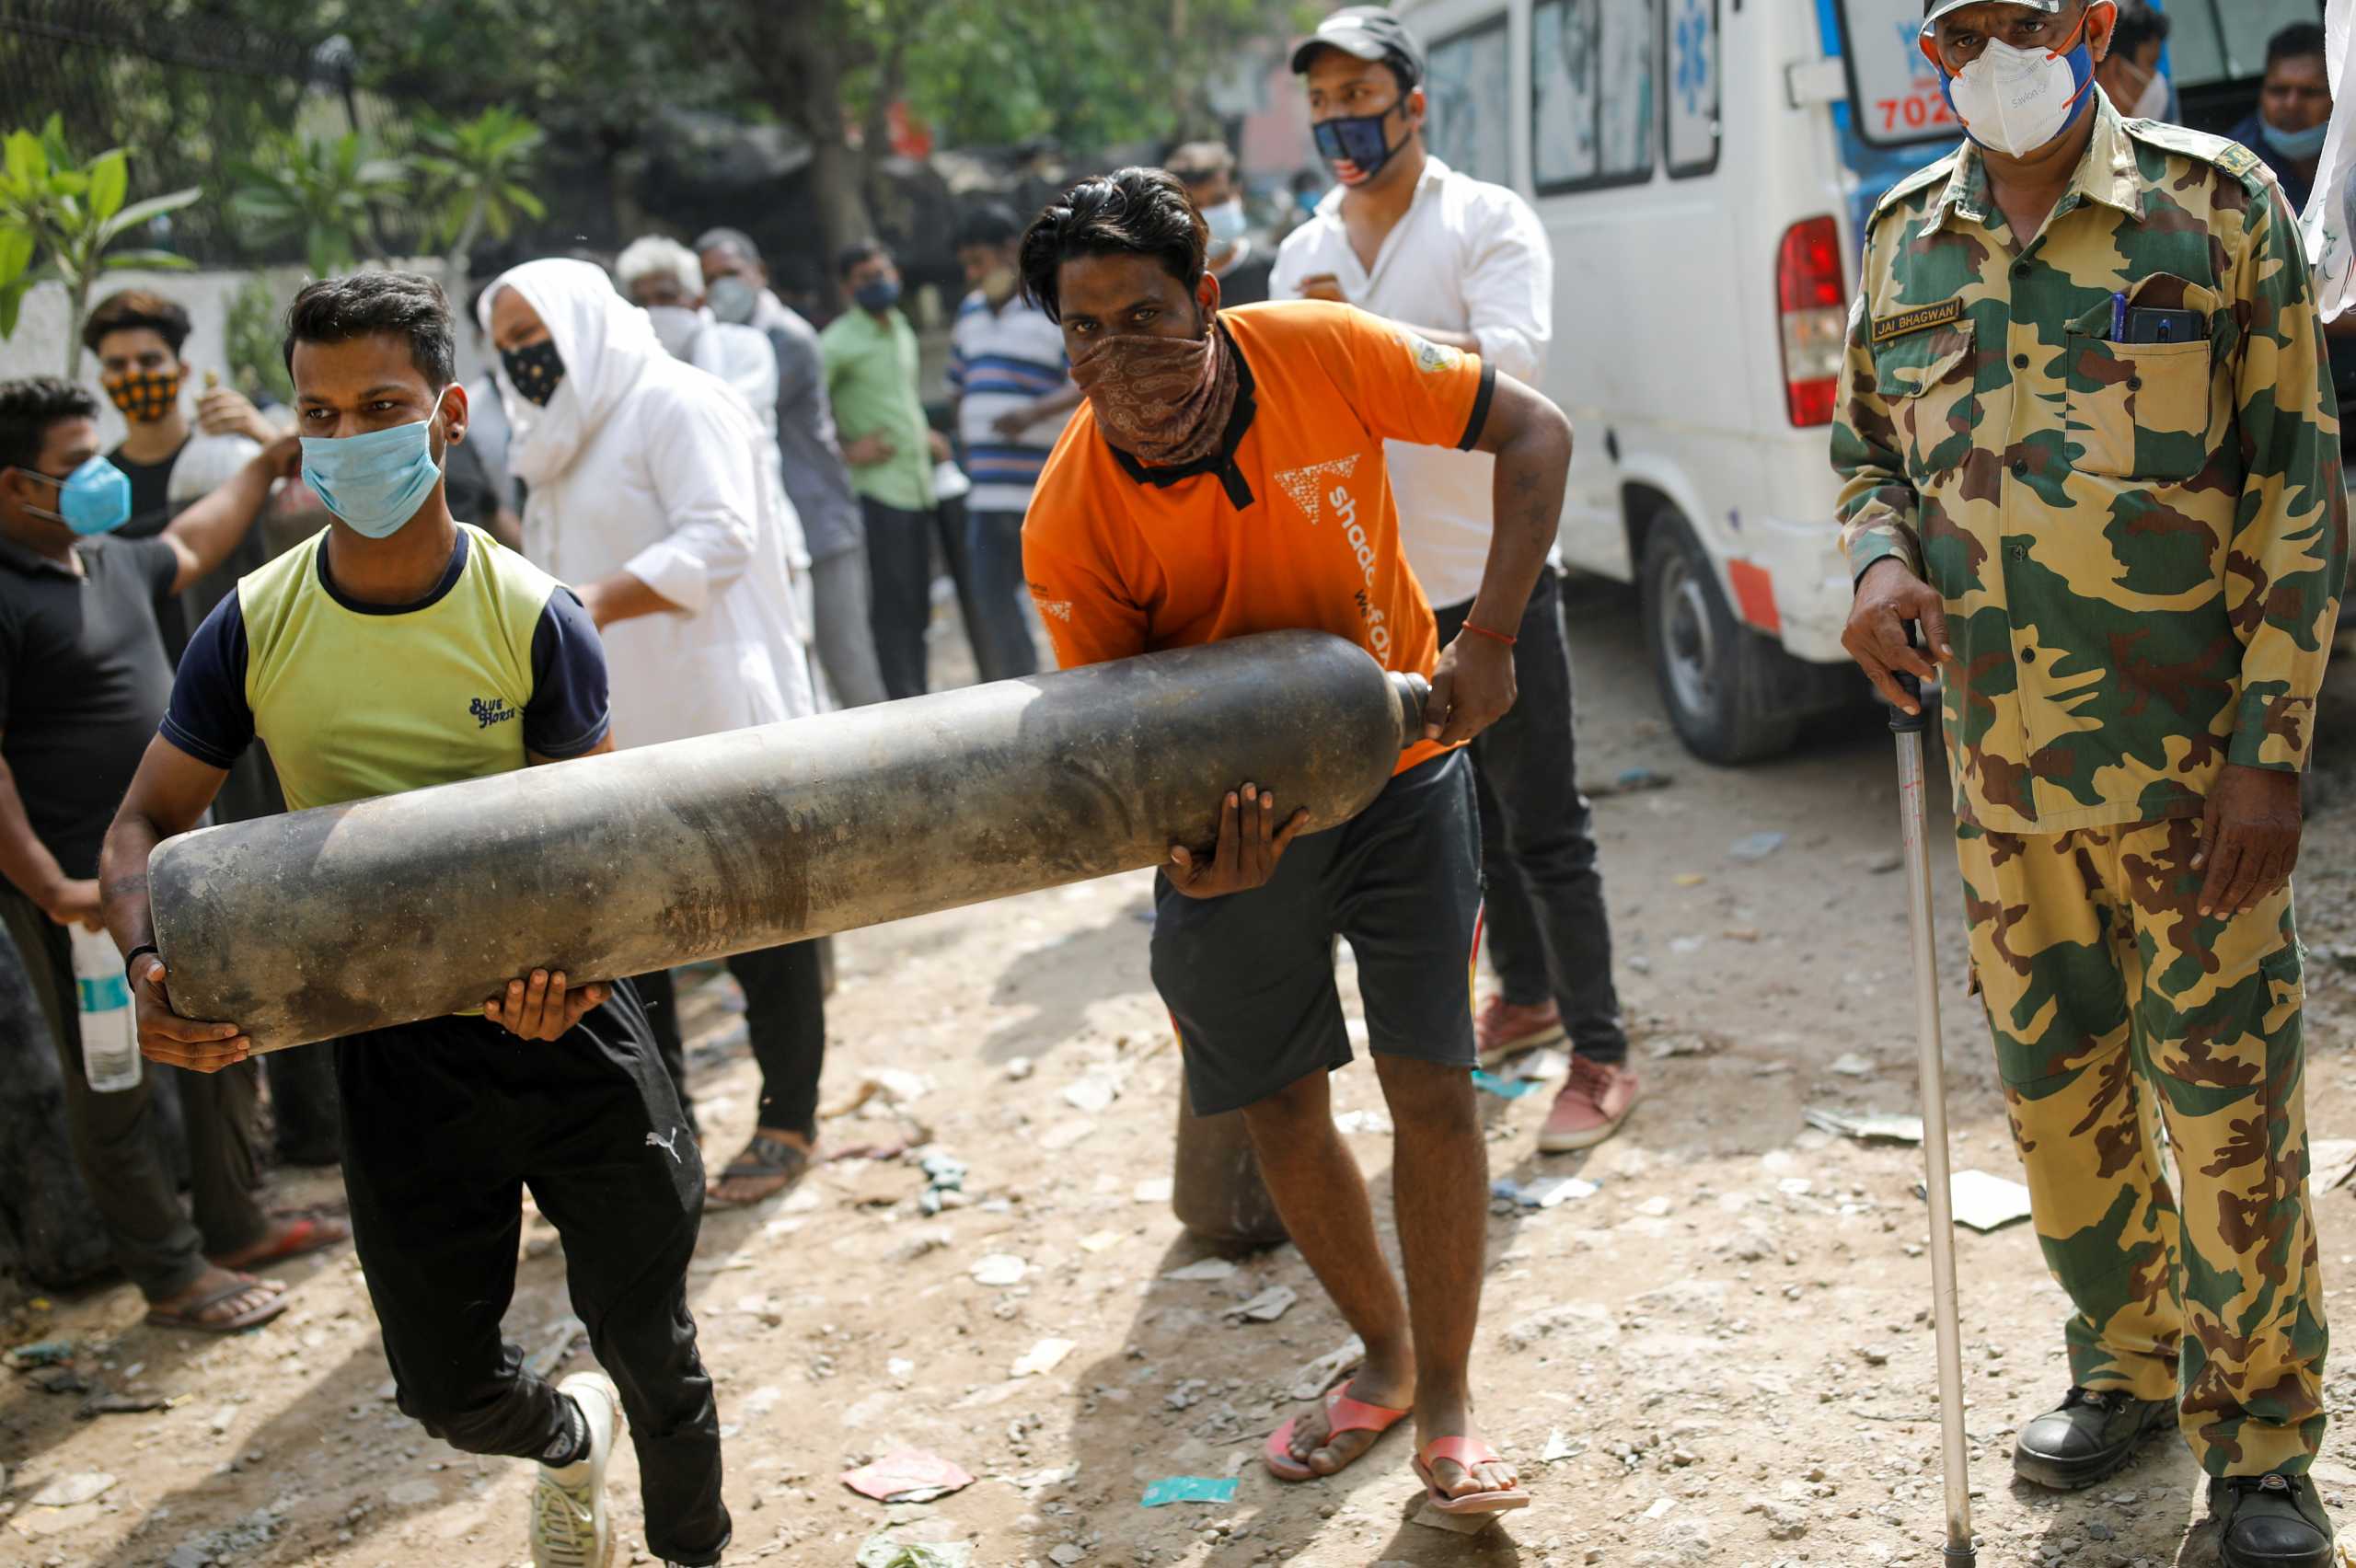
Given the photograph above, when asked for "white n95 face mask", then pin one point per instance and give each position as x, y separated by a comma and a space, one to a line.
2016, 101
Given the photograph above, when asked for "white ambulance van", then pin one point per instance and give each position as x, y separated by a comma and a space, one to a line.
1705, 168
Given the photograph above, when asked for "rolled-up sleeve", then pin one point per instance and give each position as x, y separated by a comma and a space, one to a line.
701, 460
1509, 289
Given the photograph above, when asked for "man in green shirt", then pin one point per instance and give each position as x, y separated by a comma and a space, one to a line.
870, 357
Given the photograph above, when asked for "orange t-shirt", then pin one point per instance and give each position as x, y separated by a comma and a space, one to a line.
1290, 527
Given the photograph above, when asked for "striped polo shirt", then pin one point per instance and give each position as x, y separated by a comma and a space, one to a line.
999, 360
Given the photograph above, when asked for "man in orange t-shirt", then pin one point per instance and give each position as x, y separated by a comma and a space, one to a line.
1225, 477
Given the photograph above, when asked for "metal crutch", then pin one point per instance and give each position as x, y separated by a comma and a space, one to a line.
1914, 824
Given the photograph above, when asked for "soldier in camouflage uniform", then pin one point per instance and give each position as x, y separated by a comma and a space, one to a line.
2090, 446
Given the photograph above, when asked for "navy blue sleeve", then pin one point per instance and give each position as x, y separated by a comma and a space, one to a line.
567, 714
208, 716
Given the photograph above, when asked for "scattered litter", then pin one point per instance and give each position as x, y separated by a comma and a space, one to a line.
1671, 1045
1558, 1448
1266, 1307
68, 1490
1000, 1269
943, 1174
1066, 1133
1326, 1370
1631, 781
1189, 1489
880, 1550
1362, 1122
1876, 1127
1795, 1186
1684, 945
1018, 1068
554, 1346
1741, 933
1755, 847
1984, 1202
1041, 1358
1545, 1065
1689, 879
1544, 1193
1850, 1064
1455, 1524
900, 1368
103, 1403
40, 1353
1094, 1094
1101, 1241
1154, 1190
1656, 1208
1504, 1089
1204, 1269
910, 1476
2330, 1162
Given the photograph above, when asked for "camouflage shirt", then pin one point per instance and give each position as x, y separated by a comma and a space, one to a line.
2140, 545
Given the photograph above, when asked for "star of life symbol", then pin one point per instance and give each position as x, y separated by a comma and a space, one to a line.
1306, 486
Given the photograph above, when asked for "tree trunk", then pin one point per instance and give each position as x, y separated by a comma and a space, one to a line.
460, 264
875, 132
796, 52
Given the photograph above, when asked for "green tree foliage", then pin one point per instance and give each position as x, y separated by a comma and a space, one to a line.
59, 218
322, 190
473, 173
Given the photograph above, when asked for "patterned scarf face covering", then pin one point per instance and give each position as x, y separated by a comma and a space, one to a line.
1162, 400
146, 395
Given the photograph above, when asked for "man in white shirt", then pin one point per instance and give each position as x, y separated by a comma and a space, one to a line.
647, 496
1466, 265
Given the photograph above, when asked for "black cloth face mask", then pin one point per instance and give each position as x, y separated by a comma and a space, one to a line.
536, 369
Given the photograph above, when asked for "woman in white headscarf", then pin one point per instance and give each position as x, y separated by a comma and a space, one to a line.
644, 493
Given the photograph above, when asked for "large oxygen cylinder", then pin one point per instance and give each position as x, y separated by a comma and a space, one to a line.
329, 922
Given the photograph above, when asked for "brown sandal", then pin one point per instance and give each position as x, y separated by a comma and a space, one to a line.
763, 1159
190, 1318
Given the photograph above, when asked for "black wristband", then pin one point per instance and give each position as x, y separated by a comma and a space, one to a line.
132, 956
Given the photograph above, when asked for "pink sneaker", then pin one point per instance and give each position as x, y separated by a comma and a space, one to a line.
1503, 1030
1591, 1107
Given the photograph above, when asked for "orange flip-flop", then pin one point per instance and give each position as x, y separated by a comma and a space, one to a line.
1342, 1414
1468, 1452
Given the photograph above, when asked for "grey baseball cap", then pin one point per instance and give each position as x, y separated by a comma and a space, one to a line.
1933, 9
1369, 32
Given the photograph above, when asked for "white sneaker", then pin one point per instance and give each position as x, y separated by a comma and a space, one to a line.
569, 1524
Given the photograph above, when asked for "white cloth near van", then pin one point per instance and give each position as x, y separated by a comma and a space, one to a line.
1467, 257
644, 464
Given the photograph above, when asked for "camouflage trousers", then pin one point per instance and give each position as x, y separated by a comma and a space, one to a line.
2116, 1006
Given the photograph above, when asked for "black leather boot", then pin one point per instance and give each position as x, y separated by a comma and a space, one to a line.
2090, 1437
2271, 1521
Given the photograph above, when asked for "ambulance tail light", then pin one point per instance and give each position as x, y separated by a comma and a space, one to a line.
1814, 309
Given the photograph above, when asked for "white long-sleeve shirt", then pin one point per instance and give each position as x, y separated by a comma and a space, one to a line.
1466, 257
669, 489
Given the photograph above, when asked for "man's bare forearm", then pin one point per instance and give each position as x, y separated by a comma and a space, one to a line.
215, 525
1526, 500
25, 860
122, 879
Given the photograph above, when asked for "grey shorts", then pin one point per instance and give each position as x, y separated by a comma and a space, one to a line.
1249, 978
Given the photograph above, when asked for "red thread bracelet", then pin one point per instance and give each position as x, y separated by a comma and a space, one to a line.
1492, 636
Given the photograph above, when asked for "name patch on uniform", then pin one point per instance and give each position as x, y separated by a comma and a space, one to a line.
2237, 160
1910, 322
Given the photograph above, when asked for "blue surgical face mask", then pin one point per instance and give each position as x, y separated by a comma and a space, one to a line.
881, 294
93, 499
375, 482
1358, 139
2296, 145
